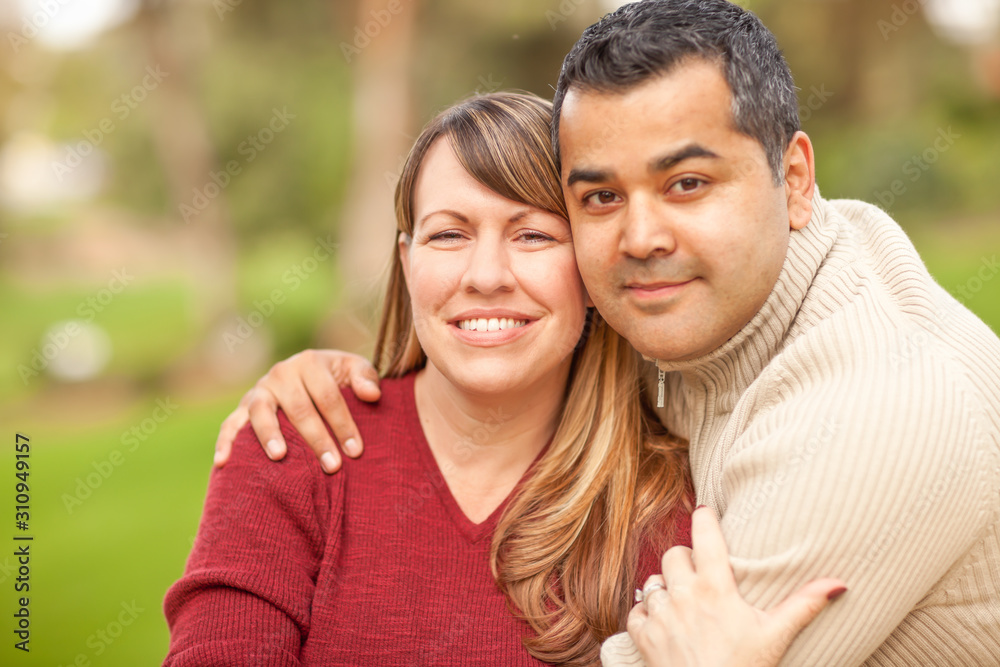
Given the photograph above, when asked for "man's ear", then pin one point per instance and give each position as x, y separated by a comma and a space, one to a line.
800, 180
404, 242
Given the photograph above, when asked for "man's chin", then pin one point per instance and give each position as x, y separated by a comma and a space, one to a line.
661, 342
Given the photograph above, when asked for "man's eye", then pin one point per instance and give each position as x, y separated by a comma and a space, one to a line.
686, 184
602, 197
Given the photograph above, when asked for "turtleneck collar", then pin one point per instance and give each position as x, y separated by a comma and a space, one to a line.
739, 361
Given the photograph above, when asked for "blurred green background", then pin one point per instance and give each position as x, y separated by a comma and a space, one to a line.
191, 190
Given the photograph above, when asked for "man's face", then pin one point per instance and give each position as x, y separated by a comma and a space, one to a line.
680, 232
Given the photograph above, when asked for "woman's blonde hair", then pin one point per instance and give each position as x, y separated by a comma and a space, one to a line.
565, 550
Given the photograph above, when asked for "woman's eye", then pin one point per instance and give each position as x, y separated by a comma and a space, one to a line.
445, 236
534, 237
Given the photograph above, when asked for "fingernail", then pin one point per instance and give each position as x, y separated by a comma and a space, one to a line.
352, 447
217, 459
328, 462
836, 593
272, 448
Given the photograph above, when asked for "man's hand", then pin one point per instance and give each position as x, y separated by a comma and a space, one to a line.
307, 387
694, 615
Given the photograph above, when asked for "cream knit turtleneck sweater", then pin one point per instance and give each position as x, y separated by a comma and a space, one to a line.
852, 429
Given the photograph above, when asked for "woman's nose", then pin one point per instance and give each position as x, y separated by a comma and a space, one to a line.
488, 269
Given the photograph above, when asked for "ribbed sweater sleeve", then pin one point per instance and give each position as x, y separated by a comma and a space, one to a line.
883, 478
246, 593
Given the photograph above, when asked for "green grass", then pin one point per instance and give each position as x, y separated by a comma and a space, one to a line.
148, 327
960, 257
126, 542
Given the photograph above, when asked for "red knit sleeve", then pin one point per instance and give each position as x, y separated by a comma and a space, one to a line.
677, 533
246, 593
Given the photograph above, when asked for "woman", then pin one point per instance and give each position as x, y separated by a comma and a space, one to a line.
515, 492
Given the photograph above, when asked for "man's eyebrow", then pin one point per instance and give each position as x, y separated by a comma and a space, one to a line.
669, 160
661, 163
588, 175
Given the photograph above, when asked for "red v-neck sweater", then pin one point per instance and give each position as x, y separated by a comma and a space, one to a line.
376, 565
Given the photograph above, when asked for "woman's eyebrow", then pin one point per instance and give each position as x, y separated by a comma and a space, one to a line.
445, 211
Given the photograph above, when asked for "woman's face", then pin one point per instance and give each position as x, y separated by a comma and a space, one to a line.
498, 303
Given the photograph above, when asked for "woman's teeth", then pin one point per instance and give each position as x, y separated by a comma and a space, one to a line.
491, 324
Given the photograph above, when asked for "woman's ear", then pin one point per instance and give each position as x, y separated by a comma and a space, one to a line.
800, 180
404, 242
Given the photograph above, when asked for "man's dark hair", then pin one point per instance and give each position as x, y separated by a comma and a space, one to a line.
643, 40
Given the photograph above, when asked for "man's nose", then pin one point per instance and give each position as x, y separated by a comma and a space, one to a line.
647, 230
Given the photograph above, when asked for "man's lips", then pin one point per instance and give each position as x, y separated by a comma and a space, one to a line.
656, 290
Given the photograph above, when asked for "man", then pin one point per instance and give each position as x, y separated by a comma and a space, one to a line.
843, 411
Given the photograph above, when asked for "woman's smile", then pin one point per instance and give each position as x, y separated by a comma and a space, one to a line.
485, 331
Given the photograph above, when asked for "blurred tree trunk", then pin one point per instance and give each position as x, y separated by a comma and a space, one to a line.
183, 142
379, 48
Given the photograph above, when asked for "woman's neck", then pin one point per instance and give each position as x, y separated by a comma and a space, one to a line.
484, 443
